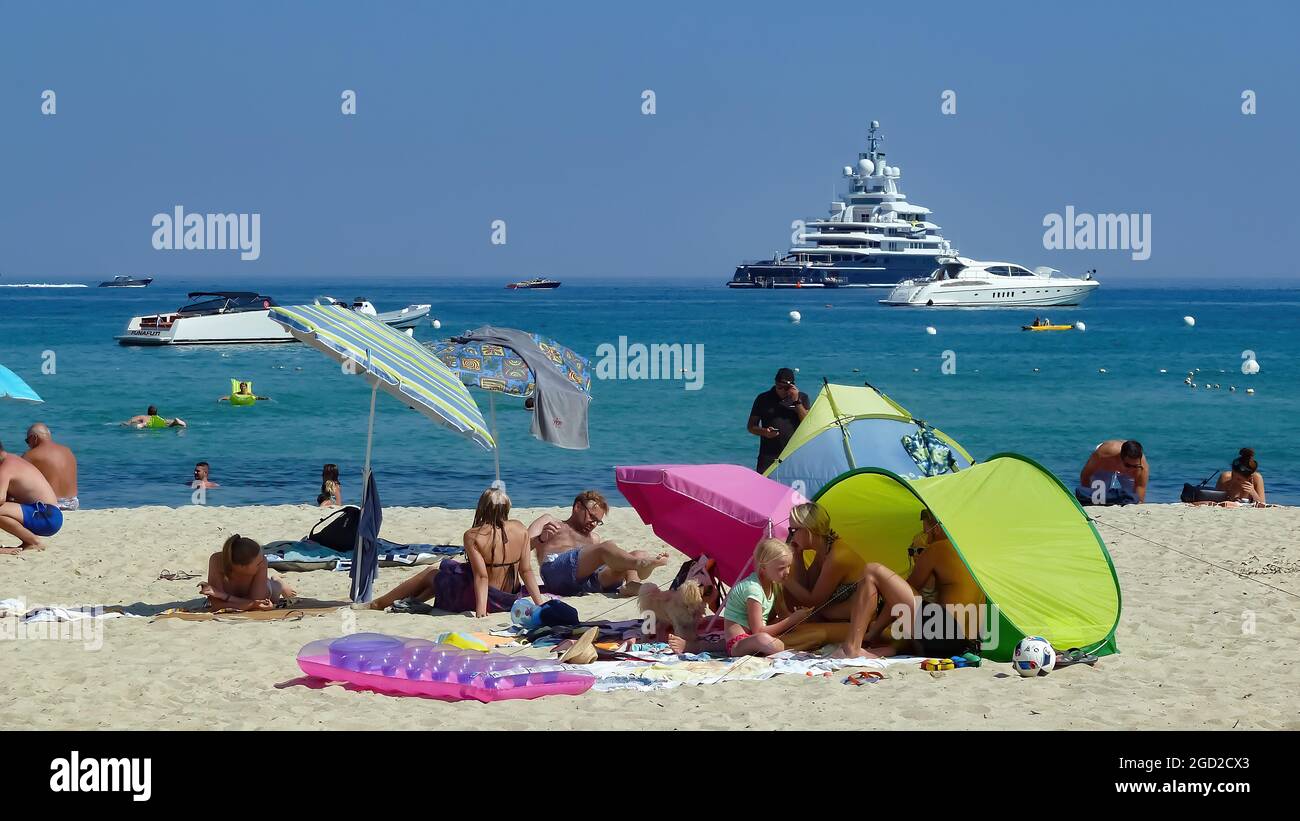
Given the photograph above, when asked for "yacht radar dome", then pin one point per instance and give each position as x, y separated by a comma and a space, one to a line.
848, 171
866, 167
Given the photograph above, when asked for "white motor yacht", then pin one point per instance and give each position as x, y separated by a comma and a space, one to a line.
239, 317
964, 283
210, 318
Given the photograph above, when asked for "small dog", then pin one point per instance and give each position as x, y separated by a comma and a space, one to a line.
681, 608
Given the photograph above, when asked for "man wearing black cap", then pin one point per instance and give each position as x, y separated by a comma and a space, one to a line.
775, 415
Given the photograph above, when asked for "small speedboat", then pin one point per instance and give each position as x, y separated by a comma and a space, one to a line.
407, 317
126, 282
536, 283
1047, 327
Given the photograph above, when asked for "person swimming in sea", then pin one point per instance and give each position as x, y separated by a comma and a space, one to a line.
245, 390
151, 419
238, 578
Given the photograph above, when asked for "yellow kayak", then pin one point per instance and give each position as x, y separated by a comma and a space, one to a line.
1047, 327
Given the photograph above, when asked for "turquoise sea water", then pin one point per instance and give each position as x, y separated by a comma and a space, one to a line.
995, 401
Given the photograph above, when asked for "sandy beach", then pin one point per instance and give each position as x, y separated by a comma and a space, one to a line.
1189, 658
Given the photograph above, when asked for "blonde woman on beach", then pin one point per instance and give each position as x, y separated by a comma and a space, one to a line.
753, 599
499, 569
827, 583
238, 578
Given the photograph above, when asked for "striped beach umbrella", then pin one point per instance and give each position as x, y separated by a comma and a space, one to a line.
12, 386
395, 362
390, 360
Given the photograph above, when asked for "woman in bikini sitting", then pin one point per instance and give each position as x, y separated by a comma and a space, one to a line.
829, 581
1244, 483
498, 571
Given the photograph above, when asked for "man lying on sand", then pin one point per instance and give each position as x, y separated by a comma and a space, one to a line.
1121, 468
151, 419
55, 462
573, 562
30, 508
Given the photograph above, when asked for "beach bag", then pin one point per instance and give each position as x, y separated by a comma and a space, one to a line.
453, 590
703, 570
556, 613
338, 531
1203, 493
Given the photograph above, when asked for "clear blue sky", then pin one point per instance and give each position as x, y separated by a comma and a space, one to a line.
531, 113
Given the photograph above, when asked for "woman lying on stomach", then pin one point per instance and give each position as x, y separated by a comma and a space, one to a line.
238, 579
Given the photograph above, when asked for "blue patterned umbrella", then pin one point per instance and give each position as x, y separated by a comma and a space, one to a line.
500, 369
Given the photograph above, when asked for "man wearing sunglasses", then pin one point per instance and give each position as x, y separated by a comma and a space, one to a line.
1116, 474
774, 416
574, 560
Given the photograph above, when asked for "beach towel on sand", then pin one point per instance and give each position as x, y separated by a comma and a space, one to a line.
673, 672
303, 555
300, 609
454, 590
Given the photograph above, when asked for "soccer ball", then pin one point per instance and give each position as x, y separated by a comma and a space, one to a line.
1033, 656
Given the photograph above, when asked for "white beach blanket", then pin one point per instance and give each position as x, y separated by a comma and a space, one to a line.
672, 671
56, 614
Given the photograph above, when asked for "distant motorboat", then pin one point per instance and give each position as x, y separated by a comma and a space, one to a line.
535, 283
407, 317
126, 282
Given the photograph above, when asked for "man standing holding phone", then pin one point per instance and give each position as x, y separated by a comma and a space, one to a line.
775, 415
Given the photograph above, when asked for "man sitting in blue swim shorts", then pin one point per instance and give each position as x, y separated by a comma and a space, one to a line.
30, 509
573, 562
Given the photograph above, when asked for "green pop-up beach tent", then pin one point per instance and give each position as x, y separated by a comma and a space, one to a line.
1020, 532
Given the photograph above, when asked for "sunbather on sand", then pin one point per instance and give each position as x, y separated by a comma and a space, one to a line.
28, 506
1244, 483
754, 599
827, 584
1121, 468
574, 562
238, 579
500, 568
939, 566
883, 598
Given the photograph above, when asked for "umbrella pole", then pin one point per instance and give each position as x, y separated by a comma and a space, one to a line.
744, 571
365, 483
492, 420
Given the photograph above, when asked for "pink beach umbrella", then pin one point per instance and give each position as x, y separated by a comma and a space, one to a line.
721, 510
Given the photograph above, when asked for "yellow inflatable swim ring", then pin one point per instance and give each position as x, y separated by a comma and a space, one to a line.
244, 397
